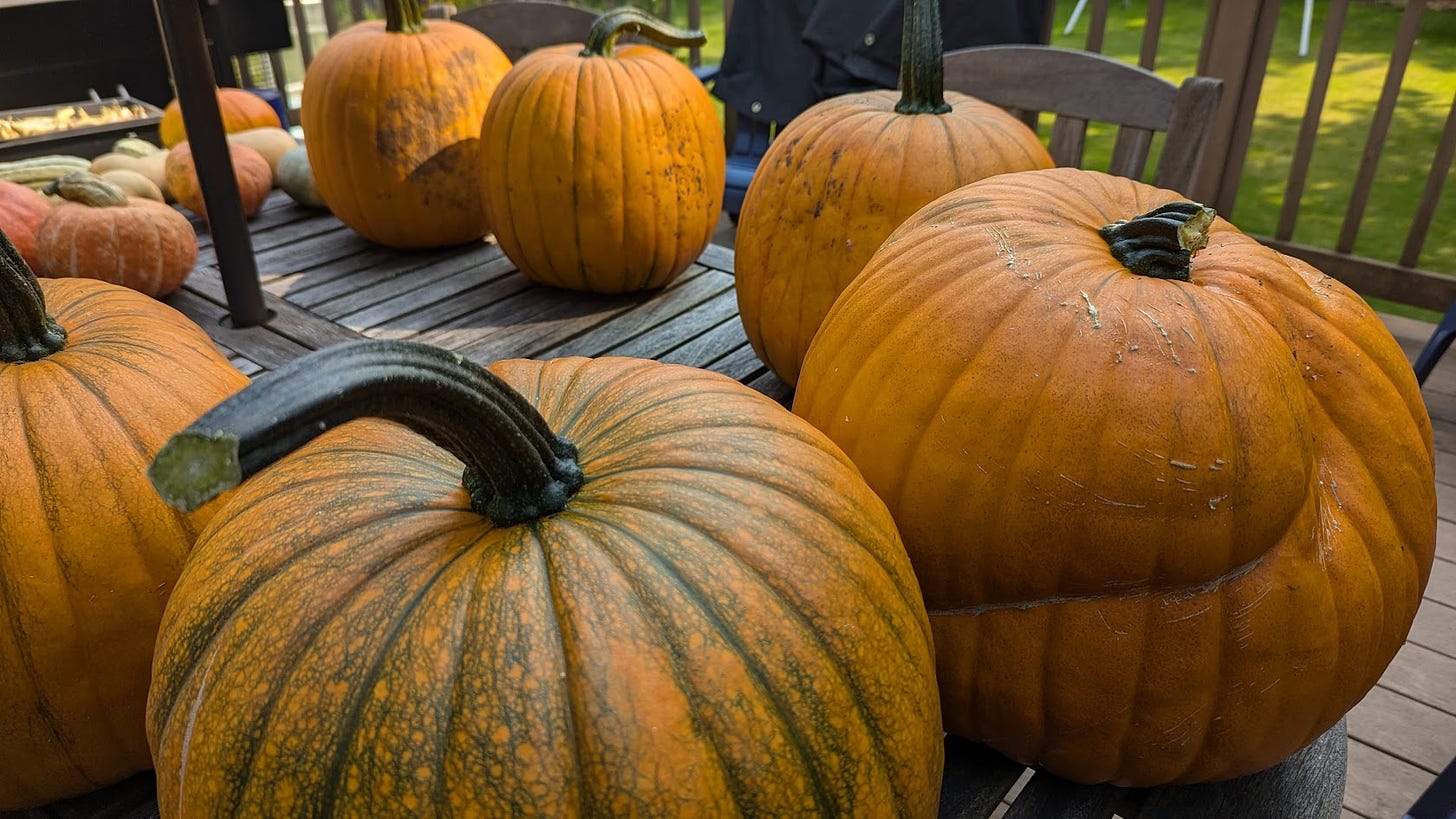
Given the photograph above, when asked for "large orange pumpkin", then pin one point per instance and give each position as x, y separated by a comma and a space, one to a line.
240, 109
88, 553
99, 232
603, 169
392, 111
682, 602
1172, 517
845, 173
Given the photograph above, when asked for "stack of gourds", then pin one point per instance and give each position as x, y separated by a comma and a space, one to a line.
1074, 468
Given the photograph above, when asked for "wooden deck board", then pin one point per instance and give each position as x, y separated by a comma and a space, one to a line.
330, 285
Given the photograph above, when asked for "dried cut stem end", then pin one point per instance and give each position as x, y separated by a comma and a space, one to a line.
192, 468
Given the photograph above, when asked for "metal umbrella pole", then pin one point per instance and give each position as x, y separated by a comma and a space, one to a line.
181, 23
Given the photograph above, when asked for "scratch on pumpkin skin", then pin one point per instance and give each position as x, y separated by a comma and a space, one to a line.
191, 724
1103, 618
1092, 311
1003, 244
1167, 338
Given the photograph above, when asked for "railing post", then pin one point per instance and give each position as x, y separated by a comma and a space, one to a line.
1236, 46
181, 23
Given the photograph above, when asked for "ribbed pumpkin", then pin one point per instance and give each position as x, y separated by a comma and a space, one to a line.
603, 169
101, 233
252, 172
21, 212
392, 110
688, 603
1172, 517
88, 553
240, 110
845, 173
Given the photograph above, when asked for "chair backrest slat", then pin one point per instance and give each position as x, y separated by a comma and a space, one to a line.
1080, 86
521, 26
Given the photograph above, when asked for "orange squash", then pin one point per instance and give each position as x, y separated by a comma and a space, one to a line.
88, 393
392, 110
240, 110
254, 176
659, 594
846, 172
1172, 509
21, 211
603, 169
99, 232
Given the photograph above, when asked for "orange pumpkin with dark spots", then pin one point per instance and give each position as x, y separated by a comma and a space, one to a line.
392, 111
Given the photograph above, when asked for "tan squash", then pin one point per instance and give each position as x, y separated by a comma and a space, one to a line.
153, 166
133, 183
270, 143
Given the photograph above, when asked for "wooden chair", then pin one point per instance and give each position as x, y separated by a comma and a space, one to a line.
519, 26
1080, 86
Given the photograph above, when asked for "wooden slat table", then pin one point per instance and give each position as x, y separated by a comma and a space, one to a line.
326, 285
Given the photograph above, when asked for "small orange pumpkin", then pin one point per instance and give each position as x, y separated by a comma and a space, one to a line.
21, 211
393, 110
1172, 509
845, 173
254, 175
240, 110
93, 379
101, 233
603, 170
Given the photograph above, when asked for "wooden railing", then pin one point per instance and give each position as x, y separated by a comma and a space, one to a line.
1236, 46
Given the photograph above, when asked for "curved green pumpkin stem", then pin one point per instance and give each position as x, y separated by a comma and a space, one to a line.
403, 16
922, 66
27, 331
601, 41
88, 189
1160, 243
516, 469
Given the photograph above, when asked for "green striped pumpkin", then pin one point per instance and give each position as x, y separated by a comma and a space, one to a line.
695, 607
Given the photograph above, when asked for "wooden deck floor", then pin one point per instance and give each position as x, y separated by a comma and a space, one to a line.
472, 300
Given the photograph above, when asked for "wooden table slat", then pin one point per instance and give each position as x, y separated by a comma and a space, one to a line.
310, 331
573, 314
391, 281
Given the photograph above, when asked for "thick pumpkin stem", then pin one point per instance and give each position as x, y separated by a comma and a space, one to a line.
516, 468
404, 16
88, 189
1160, 243
27, 332
922, 66
601, 41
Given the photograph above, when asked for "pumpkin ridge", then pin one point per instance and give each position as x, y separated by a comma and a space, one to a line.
792, 729
10, 605
685, 680
840, 204
359, 693
1092, 597
224, 630
221, 626
787, 497
799, 501
44, 482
